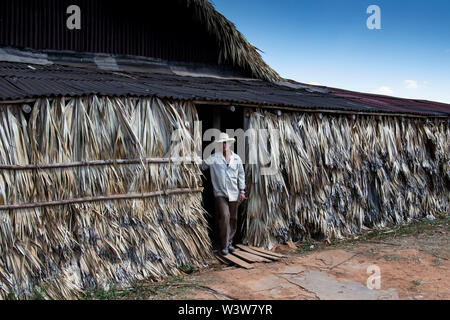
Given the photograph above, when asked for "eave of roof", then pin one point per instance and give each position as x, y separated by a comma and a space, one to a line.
383, 102
26, 81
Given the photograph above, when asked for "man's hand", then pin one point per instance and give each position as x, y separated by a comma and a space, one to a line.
197, 160
241, 197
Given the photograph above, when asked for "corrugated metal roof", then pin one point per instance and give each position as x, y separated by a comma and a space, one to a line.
384, 103
22, 81
109, 27
172, 30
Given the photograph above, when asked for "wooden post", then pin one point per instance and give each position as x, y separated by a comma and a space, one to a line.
246, 126
216, 117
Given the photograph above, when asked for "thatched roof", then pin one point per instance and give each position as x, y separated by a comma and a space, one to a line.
234, 48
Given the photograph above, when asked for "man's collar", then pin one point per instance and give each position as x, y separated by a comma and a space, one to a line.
221, 154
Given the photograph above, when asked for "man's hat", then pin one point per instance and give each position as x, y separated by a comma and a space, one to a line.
224, 138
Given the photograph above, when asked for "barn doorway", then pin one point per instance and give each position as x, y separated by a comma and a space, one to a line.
222, 118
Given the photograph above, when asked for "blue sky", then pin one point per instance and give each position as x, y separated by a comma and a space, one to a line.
327, 42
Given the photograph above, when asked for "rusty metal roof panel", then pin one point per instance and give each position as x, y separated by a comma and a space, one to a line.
386, 103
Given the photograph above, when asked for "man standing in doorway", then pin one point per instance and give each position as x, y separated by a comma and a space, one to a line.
228, 180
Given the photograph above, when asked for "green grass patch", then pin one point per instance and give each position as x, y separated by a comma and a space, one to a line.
416, 284
305, 248
422, 226
40, 293
176, 287
188, 268
102, 294
11, 295
437, 262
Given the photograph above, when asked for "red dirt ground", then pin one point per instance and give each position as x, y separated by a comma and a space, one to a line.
413, 266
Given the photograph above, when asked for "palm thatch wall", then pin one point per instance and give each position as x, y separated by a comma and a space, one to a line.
73, 246
338, 174
90, 194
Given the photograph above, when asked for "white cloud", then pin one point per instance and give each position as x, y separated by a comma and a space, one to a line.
385, 90
411, 84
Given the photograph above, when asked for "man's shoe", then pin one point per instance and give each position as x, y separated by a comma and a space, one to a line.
224, 252
231, 248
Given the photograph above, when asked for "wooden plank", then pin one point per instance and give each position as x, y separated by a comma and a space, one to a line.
237, 261
267, 256
249, 257
267, 252
220, 259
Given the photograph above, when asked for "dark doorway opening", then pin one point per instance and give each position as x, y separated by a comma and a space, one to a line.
222, 118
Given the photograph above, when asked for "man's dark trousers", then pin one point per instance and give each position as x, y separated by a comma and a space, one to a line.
226, 220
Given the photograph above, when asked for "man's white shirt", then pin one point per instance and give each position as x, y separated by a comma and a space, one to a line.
227, 180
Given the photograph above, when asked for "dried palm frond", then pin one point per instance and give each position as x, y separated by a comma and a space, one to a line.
233, 46
344, 173
68, 248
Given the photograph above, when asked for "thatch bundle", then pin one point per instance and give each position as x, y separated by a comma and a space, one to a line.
338, 174
234, 48
65, 248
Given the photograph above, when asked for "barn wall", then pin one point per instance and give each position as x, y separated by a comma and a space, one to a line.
64, 249
337, 174
141, 28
